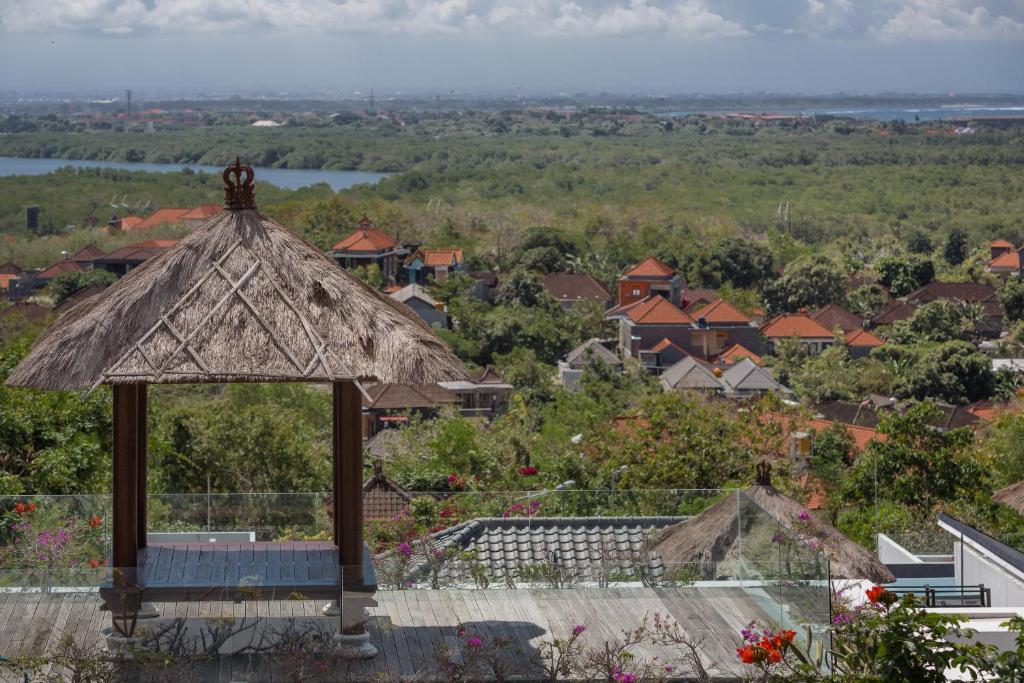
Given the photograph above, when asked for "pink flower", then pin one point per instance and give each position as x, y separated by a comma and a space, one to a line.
474, 642
578, 629
804, 516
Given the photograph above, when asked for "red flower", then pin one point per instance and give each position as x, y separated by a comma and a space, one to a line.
528, 470
876, 594
31, 507
748, 654
94, 563
19, 508
95, 521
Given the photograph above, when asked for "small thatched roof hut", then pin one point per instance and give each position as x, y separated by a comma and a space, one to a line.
241, 299
1011, 496
732, 532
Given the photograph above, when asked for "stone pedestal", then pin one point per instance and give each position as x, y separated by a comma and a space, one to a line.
355, 646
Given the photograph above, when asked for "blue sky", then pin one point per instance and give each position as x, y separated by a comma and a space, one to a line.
636, 46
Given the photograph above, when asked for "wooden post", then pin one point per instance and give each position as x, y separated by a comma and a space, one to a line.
348, 479
126, 477
141, 451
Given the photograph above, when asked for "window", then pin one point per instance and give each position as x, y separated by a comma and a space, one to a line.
636, 291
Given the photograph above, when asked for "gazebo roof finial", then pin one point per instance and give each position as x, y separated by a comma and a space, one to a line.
238, 191
764, 473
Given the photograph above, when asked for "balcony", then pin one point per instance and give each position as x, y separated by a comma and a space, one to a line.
230, 583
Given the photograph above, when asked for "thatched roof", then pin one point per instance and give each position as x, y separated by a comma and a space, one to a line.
241, 299
1011, 496
711, 537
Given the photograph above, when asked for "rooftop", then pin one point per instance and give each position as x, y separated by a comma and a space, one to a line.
576, 286
721, 312
367, 238
656, 310
650, 267
795, 325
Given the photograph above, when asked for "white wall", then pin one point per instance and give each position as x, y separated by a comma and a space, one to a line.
1007, 583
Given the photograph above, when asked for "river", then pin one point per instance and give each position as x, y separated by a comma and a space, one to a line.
289, 178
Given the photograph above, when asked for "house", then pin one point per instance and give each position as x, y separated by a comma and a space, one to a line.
746, 379
648, 277
8, 272
43, 277
962, 292
1005, 259
86, 256
425, 263
416, 298
643, 324
662, 355
124, 223
389, 404
870, 412
721, 325
812, 335
160, 217
369, 246
998, 247
797, 435
693, 375
834, 316
198, 215
860, 342
486, 394
571, 288
594, 350
698, 297
735, 354
120, 261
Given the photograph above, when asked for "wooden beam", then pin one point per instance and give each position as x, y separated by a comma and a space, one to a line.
348, 479
141, 451
126, 478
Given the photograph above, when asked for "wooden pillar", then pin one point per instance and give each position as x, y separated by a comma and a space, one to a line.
141, 452
126, 476
348, 479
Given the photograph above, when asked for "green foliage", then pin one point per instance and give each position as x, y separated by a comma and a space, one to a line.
954, 372
53, 442
1012, 298
956, 249
917, 464
521, 288
935, 321
902, 276
71, 282
533, 379
732, 261
808, 283
866, 300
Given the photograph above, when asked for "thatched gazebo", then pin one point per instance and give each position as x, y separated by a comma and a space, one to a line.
733, 528
1012, 496
241, 299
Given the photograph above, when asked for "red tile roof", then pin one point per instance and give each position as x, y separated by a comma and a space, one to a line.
861, 436
202, 212
738, 352
1001, 243
1009, 259
656, 310
129, 223
650, 267
433, 258
667, 343
367, 239
5, 280
58, 268
795, 325
576, 286
861, 337
161, 217
834, 315
721, 312
87, 254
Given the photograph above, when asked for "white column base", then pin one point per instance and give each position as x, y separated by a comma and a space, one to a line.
355, 646
331, 609
120, 646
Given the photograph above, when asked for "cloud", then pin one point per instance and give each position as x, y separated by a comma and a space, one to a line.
881, 20
952, 20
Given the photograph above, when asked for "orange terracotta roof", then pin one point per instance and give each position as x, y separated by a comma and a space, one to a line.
5, 280
795, 325
862, 337
433, 258
667, 343
368, 239
1006, 244
58, 268
1010, 259
721, 312
391, 289
861, 436
161, 217
129, 223
738, 352
202, 212
657, 310
990, 410
650, 267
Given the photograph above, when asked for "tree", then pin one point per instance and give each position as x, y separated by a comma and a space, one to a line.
920, 243
917, 464
935, 321
532, 379
810, 282
521, 288
71, 282
955, 251
1012, 298
741, 263
902, 276
866, 300
954, 372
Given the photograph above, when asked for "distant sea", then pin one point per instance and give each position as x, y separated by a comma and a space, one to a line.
289, 178
908, 114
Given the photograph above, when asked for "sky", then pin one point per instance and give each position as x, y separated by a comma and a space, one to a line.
502, 46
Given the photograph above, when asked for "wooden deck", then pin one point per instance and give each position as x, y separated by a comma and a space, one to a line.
409, 628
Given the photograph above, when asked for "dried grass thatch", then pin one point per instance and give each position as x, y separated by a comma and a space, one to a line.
1011, 496
714, 537
241, 299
